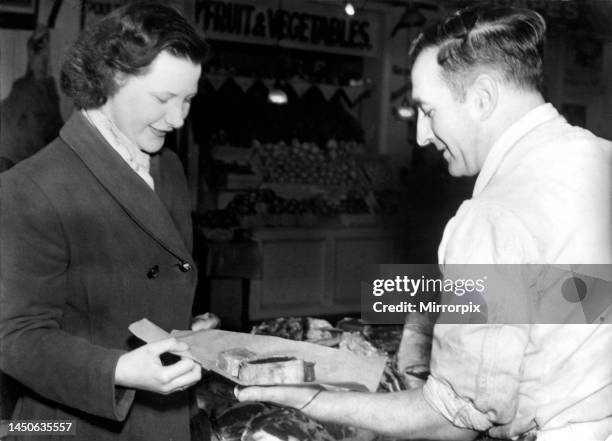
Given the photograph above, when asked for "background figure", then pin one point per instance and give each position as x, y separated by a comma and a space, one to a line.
30, 116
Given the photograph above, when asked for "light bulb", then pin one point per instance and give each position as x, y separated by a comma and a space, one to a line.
405, 112
277, 96
349, 8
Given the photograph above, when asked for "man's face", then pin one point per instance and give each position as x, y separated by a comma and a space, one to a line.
148, 107
443, 120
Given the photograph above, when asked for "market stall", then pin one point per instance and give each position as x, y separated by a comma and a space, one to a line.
298, 175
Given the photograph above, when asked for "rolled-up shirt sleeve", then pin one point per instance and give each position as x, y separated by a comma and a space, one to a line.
475, 373
476, 368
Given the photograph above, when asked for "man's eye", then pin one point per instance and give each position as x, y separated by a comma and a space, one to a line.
161, 100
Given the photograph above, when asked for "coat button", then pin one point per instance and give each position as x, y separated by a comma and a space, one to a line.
153, 272
185, 266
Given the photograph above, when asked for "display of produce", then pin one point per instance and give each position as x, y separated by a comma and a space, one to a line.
266, 201
307, 163
301, 184
376, 171
263, 207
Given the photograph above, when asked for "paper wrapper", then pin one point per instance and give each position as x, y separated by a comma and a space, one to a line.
333, 367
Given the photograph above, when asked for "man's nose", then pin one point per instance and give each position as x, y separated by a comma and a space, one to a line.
424, 135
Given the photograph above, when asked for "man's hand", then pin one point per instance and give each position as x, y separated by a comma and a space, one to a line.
297, 397
143, 369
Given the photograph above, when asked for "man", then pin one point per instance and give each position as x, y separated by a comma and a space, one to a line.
542, 197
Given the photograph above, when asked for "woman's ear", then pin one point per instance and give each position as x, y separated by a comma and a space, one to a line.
483, 95
120, 79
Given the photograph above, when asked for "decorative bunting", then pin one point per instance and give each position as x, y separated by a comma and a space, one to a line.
244, 83
268, 82
300, 86
353, 93
216, 80
327, 90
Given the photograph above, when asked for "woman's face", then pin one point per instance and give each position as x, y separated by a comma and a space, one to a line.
149, 106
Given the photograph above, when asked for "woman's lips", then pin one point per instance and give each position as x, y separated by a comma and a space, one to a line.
159, 133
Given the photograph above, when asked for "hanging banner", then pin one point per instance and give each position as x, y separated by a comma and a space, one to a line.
324, 28
93, 10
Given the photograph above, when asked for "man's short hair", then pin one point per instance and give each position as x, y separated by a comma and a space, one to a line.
126, 41
508, 40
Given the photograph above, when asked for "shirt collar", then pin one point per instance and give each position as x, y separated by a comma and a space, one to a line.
532, 119
138, 160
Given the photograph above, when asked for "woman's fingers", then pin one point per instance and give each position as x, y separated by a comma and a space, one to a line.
185, 380
142, 368
167, 345
180, 375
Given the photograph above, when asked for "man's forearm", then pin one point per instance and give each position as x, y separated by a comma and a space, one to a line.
401, 414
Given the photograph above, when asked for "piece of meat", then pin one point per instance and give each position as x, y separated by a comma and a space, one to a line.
230, 361
276, 370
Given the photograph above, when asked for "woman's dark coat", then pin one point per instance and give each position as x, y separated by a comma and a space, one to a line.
86, 248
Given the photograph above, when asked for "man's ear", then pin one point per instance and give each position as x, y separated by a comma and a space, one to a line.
483, 95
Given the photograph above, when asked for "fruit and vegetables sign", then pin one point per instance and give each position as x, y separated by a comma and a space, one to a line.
321, 28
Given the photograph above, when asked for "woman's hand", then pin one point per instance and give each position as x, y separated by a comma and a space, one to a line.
296, 397
142, 368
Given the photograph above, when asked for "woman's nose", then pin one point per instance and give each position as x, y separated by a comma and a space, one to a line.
424, 135
175, 116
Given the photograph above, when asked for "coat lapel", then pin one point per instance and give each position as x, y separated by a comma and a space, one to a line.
137, 199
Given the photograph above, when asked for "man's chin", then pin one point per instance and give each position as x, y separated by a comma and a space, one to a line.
455, 171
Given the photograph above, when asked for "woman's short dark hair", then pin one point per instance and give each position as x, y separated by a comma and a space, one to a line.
126, 41
510, 40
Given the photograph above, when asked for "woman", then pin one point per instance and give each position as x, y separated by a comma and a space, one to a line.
95, 232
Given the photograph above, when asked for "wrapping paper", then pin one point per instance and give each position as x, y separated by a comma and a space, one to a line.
333, 367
